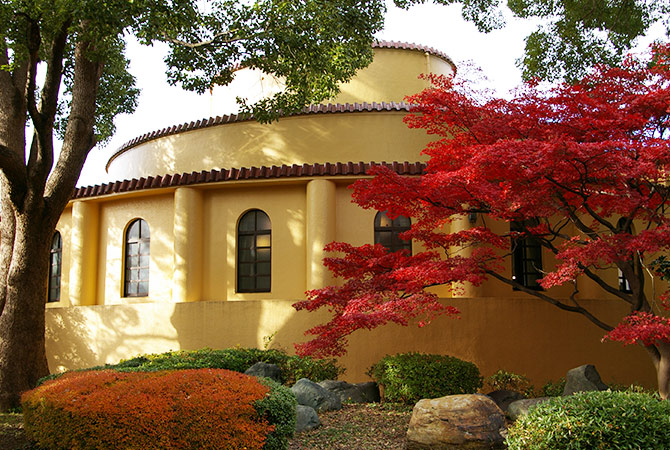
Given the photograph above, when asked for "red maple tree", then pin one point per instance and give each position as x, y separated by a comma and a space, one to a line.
579, 170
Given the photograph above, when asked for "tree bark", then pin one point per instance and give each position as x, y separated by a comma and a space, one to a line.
31, 207
22, 323
660, 356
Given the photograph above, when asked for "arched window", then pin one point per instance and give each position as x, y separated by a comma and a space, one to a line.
55, 268
526, 257
254, 247
387, 232
136, 282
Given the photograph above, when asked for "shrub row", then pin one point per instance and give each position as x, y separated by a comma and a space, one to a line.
594, 420
409, 377
198, 409
237, 359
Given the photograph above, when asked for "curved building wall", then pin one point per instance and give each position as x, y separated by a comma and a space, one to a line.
305, 139
193, 300
393, 75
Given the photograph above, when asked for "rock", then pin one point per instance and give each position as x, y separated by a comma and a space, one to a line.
370, 391
352, 393
311, 394
583, 378
471, 421
521, 407
262, 369
503, 398
306, 418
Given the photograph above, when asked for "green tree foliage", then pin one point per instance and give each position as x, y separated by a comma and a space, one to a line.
577, 35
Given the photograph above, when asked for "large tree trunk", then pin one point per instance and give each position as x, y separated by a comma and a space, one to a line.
22, 353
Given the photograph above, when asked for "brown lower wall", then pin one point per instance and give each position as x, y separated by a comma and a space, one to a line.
520, 335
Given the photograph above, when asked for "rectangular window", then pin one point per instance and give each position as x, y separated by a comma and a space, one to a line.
526, 258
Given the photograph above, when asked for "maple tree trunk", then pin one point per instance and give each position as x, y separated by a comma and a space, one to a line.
22, 322
660, 355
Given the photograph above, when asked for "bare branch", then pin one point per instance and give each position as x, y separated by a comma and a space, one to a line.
551, 300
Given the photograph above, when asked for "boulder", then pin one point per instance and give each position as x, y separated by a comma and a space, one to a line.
306, 418
471, 421
370, 391
262, 369
521, 407
582, 379
352, 393
503, 398
311, 394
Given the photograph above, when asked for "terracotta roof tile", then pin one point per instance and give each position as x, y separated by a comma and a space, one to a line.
243, 173
412, 46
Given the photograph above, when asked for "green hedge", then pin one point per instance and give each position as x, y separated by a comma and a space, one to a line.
237, 359
594, 420
410, 377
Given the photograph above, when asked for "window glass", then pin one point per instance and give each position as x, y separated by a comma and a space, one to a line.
387, 232
624, 285
526, 258
254, 252
137, 259
55, 268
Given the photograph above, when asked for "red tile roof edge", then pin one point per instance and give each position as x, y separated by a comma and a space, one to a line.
244, 173
413, 46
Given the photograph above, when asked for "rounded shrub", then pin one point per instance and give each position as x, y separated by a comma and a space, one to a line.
203, 409
278, 408
504, 380
410, 377
238, 359
594, 420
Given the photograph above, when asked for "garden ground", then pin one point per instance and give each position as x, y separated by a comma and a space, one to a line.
371, 426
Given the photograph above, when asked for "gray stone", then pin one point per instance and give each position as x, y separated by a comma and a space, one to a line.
521, 407
305, 418
262, 369
582, 379
311, 394
503, 398
352, 393
471, 421
370, 391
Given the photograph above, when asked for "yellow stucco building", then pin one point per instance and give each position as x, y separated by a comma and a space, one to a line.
218, 227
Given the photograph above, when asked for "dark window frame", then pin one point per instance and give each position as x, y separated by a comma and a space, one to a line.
624, 285
55, 262
392, 232
137, 259
526, 258
254, 261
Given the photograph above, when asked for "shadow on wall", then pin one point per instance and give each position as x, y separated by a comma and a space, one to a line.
519, 335
86, 336
68, 340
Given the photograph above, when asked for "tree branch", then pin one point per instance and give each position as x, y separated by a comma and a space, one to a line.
79, 135
216, 39
42, 151
13, 168
551, 300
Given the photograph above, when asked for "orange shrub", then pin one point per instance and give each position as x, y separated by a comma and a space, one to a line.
186, 409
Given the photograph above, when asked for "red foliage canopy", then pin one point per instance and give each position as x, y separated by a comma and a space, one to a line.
575, 165
641, 327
